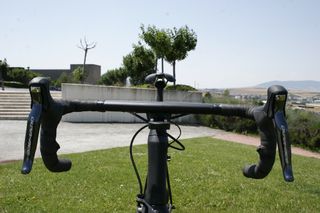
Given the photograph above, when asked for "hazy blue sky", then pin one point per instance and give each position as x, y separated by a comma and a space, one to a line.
240, 42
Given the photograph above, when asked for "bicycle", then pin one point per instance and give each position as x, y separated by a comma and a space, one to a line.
156, 195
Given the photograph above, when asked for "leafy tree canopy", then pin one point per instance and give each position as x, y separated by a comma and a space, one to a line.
139, 63
114, 77
182, 41
158, 39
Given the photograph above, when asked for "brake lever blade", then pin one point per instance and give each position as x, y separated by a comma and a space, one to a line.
31, 138
284, 146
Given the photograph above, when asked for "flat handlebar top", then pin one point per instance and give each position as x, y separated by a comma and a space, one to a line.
157, 107
46, 111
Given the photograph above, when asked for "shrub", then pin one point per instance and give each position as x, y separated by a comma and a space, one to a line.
145, 86
181, 87
20, 75
304, 128
63, 78
79, 75
15, 84
235, 124
114, 77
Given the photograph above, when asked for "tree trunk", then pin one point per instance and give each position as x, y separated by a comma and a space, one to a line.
2, 80
174, 73
84, 64
162, 69
156, 68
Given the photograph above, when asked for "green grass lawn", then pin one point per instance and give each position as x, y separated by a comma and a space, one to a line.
206, 177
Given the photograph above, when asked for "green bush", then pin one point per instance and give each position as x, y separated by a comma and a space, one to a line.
181, 87
304, 128
63, 78
79, 75
234, 124
15, 84
20, 75
145, 86
116, 77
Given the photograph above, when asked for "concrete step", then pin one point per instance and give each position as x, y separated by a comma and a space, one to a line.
14, 117
27, 106
15, 110
15, 105
14, 100
27, 94
15, 96
15, 113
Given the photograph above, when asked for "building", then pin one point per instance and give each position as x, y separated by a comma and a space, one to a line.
93, 71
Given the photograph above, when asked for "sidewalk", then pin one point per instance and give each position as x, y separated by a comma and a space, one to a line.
82, 137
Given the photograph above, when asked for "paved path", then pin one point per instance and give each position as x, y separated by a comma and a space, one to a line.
81, 137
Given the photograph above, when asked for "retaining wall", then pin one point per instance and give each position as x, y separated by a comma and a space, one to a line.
93, 92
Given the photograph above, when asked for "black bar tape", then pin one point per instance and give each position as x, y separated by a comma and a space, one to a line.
48, 143
157, 107
267, 148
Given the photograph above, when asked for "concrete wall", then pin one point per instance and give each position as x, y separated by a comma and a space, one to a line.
93, 93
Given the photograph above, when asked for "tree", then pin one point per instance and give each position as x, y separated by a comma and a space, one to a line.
85, 46
79, 75
182, 41
226, 93
21, 75
63, 78
114, 77
139, 63
158, 40
3, 71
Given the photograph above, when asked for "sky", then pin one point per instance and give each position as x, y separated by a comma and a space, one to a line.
241, 43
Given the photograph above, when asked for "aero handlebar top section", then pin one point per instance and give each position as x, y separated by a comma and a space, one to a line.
47, 113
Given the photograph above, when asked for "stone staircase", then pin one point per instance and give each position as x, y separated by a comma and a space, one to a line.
15, 104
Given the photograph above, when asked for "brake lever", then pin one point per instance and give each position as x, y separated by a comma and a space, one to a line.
283, 141
32, 131
277, 97
47, 112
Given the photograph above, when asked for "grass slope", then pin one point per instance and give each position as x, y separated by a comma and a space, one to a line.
206, 177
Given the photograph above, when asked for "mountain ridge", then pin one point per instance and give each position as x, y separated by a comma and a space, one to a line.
306, 85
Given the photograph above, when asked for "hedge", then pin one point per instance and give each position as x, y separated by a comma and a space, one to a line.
304, 126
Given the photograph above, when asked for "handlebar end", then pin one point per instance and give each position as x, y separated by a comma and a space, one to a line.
251, 171
26, 167
248, 170
56, 165
288, 174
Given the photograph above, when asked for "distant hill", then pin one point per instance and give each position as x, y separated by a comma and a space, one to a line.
296, 85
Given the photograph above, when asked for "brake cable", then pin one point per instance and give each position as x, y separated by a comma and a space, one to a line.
131, 156
181, 147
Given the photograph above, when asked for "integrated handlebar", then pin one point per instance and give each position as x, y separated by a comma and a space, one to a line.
48, 112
